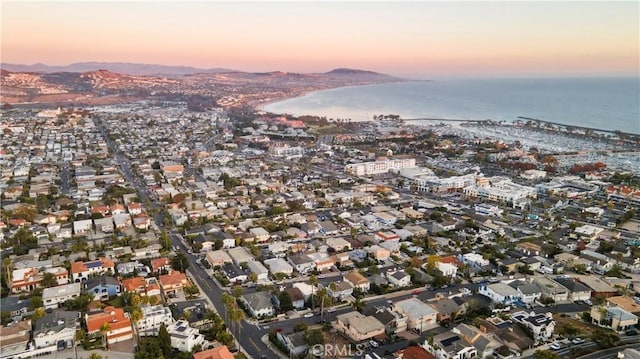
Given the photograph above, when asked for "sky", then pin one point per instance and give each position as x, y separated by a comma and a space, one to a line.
419, 38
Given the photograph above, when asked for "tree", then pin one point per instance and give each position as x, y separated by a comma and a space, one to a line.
48, 280
605, 338
237, 291
191, 290
165, 341
104, 329
313, 337
180, 262
286, 304
5, 317
95, 355
544, 354
80, 302
300, 327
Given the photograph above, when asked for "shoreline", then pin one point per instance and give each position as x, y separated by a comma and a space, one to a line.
515, 119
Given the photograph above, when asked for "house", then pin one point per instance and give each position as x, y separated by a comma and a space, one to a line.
278, 265
384, 236
577, 290
234, 274
218, 258
447, 309
340, 290
260, 234
141, 222
54, 296
261, 272
102, 288
485, 344
541, 325
26, 279
240, 255
399, 279
221, 352
119, 324
358, 327
500, 293
105, 225
599, 288
614, 318
378, 253
447, 269
515, 338
56, 328
15, 338
259, 304
420, 316
15, 306
80, 271
82, 227
160, 264
357, 280
184, 337
153, 316
393, 321
450, 345
173, 283
143, 286
297, 297
294, 342
338, 244
475, 260
529, 292
302, 263
552, 289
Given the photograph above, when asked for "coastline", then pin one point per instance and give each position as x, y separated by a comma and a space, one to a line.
438, 102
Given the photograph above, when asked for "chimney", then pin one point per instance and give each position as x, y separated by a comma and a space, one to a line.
483, 329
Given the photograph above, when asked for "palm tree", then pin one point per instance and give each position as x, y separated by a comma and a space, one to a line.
358, 304
186, 314
7, 264
95, 355
237, 315
104, 329
314, 282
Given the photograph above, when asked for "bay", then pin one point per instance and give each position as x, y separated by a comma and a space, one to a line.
602, 103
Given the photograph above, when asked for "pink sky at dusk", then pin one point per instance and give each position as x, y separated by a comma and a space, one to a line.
412, 38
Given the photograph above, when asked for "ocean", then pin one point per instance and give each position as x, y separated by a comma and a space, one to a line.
602, 103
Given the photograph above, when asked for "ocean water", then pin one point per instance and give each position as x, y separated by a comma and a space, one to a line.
602, 103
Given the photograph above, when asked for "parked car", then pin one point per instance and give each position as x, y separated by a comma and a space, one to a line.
577, 341
374, 343
308, 315
631, 332
555, 346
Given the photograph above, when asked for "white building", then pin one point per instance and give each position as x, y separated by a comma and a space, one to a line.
59, 326
500, 293
152, 318
485, 209
278, 265
379, 167
474, 259
541, 325
183, 337
54, 296
259, 269
447, 269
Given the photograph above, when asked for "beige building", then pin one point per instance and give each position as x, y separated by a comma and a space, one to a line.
358, 327
614, 318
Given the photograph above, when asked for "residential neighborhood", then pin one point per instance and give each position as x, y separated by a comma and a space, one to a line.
150, 229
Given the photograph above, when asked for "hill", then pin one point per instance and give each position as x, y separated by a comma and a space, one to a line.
119, 67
